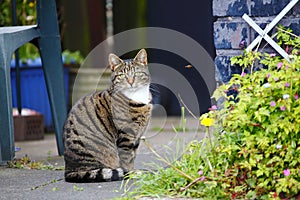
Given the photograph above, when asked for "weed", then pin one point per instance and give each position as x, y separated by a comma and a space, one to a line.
76, 188
182, 126
27, 163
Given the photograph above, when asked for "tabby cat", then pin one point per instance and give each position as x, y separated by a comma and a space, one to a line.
103, 129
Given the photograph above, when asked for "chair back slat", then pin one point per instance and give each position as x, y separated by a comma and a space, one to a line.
17, 58
14, 12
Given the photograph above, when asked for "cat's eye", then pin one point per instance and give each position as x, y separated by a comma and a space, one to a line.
138, 73
122, 76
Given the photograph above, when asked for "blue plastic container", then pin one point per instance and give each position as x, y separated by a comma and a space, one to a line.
34, 93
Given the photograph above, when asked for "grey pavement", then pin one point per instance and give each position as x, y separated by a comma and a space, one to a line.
49, 184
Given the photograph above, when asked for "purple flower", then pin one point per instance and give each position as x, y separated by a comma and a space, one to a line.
272, 55
202, 178
268, 75
286, 172
200, 172
287, 85
276, 79
279, 65
296, 96
243, 74
272, 103
282, 108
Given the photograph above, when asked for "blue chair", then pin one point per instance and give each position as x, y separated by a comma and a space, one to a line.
45, 35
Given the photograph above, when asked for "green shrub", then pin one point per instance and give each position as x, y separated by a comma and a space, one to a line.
255, 151
264, 124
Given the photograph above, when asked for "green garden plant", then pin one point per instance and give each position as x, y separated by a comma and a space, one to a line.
26, 15
254, 152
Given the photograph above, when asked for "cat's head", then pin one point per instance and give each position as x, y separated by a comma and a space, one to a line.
129, 74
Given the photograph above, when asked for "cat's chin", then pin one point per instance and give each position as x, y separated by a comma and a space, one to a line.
140, 94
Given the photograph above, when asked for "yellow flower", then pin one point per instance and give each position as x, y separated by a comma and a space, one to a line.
31, 4
207, 122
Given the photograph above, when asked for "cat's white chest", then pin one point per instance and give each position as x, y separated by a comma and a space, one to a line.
141, 95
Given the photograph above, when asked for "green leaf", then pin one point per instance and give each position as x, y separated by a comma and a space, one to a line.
251, 182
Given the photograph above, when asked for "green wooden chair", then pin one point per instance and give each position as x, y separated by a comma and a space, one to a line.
45, 35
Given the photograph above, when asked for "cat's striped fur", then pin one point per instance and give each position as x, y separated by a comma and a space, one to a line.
103, 129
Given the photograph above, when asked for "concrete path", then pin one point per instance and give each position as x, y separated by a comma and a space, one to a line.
49, 184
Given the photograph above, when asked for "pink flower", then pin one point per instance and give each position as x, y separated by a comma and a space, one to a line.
272, 55
286, 172
287, 85
275, 79
200, 172
214, 107
272, 103
296, 96
279, 65
243, 74
269, 75
287, 67
202, 178
282, 108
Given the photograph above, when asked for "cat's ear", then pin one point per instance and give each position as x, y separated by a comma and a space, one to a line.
114, 61
141, 57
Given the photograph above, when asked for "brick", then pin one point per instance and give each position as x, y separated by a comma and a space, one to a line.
228, 35
293, 23
264, 8
296, 10
224, 69
230, 7
222, 65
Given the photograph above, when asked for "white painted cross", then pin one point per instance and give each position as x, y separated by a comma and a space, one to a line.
263, 34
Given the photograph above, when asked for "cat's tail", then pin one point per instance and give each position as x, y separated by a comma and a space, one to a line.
96, 175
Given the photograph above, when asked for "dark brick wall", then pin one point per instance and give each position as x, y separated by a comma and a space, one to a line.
230, 29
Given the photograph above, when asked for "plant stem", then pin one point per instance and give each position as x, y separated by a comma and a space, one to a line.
182, 124
165, 161
191, 184
194, 116
209, 137
286, 32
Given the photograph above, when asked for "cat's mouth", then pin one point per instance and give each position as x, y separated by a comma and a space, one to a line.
132, 89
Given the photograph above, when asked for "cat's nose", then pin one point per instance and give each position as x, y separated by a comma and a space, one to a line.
130, 81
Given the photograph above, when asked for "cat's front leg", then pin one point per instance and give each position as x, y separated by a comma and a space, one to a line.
127, 152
